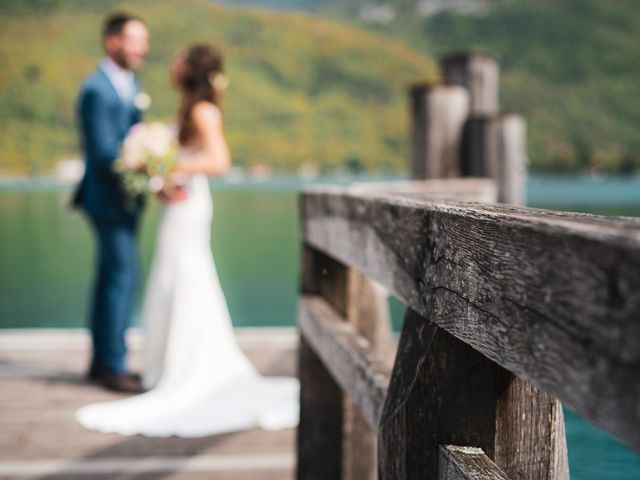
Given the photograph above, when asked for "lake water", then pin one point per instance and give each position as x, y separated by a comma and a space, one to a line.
46, 257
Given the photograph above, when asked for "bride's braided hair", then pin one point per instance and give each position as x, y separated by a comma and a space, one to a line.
196, 80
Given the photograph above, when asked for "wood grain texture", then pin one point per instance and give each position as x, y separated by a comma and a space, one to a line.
550, 296
349, 358
467, 463
530, 438
360, 445
368, 312
441, 391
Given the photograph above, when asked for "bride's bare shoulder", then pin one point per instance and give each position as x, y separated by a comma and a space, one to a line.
206, 113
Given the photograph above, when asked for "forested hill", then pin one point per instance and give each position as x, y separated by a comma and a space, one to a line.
571, 66
303, 89
308, 89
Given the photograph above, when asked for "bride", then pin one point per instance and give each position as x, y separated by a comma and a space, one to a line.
199, 381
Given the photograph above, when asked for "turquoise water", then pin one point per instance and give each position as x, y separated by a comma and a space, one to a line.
46, 256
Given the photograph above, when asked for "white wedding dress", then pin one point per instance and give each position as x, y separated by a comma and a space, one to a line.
201, 382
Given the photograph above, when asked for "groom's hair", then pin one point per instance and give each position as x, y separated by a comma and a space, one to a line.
114, 23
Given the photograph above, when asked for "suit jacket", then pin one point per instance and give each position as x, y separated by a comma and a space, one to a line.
104, 120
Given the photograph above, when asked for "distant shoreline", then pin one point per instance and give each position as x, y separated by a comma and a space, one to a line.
542, 190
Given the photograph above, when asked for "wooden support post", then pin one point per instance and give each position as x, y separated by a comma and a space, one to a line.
321, 398
494, 147
442, 391
480, 148
368, 312
530, 436
320, 428
480, 75
437, 119
510, 134
357, 300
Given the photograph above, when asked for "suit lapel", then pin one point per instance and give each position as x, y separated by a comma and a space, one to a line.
137, 113
126, 111
112, 87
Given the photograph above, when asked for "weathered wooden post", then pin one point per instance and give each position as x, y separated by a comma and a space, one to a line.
493, 145
442, 392
449, 393
510, 132
480, 148
445, 392
438, 114
334, 440
321, 399
479, 75
367, 311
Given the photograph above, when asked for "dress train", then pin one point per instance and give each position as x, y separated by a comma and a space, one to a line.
201, 382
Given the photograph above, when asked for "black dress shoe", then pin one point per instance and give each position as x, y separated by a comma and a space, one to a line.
121, 382
99, 373
96, 371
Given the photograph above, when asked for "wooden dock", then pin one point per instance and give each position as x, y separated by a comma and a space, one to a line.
510, 311
42, 384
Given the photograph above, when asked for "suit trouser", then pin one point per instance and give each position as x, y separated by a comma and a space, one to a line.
114, 291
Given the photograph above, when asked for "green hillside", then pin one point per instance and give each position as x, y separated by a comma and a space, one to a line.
571, 66
302, 89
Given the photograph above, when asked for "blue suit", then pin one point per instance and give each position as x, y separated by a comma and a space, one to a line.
104, 120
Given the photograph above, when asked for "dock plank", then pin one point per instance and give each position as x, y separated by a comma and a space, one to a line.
42, 385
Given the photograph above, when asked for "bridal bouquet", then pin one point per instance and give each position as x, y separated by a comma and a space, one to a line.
147, 155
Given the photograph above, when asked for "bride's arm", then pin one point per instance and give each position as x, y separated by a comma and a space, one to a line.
213, 157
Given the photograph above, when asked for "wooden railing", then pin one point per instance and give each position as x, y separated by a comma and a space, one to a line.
509, 312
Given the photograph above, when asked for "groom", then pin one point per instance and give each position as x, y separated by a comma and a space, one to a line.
106, 111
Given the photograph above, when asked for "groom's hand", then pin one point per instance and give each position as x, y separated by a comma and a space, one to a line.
173, 195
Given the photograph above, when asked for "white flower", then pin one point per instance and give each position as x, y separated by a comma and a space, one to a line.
147, 155
142, 101
156, 183
158, 139
219, 81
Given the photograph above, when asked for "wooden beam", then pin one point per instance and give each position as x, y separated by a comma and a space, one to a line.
467, 463
550, 296
349, 358
482, 190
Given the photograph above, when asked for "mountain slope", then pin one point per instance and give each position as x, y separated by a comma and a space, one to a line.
571, 67
302, 89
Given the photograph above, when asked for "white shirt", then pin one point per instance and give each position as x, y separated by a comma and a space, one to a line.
121, 79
